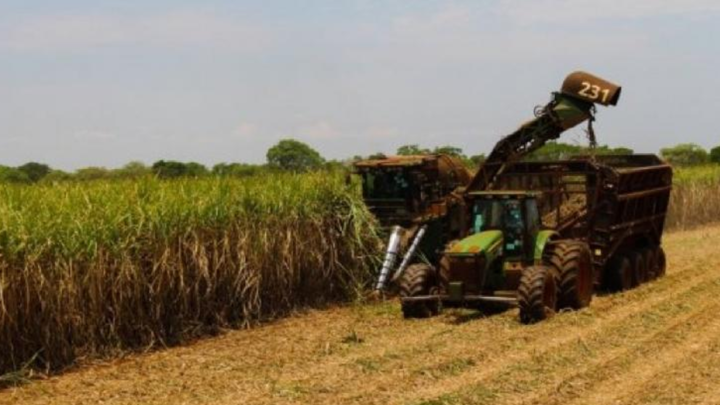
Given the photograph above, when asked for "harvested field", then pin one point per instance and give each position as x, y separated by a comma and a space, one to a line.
657, 344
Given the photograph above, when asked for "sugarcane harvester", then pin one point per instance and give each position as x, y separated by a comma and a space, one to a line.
417, 200
543, 235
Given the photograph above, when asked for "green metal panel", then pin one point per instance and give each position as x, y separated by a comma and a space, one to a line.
571, 111
480, 243
542, 238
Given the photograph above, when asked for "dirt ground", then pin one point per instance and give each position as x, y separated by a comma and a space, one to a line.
657, 344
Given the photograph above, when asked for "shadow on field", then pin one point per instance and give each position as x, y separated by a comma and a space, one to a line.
461, 315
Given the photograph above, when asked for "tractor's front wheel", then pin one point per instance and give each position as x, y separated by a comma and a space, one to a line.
573, 262
537, 294
419, 280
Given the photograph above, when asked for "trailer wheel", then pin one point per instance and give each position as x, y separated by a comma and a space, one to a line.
417, 280
639, 271
537, 294
619, 273
660, 262
650, 264
573, 262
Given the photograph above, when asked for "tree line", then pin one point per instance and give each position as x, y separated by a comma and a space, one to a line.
295, 156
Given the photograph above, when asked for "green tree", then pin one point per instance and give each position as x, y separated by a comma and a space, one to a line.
414, 149
561, 151
57, 176
450, 150
685, 154
168, 169
92, 173
476, 160
13, 175
195, 169
715, 154
293, 155
237, 169
35, 171
132, 170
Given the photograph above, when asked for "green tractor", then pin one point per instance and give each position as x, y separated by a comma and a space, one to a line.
509, 259
506, 255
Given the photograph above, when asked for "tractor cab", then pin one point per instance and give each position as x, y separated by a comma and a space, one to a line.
514, 214
505, 238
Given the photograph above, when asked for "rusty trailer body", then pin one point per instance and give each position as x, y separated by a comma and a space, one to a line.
546, 235
616, 204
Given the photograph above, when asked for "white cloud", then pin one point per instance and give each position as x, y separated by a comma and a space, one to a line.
579, 11
93, 135
381, 133
318, 130
455, 34
245, 130
173, 29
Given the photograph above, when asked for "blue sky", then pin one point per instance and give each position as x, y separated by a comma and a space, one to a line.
105, 82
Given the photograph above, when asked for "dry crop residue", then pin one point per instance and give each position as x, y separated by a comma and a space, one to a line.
658, 344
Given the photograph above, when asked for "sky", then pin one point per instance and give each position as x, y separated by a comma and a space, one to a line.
102, 83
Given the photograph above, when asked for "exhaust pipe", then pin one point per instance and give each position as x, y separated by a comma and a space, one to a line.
410, 253
391, 256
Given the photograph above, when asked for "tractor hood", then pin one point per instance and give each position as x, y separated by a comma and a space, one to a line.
480, 243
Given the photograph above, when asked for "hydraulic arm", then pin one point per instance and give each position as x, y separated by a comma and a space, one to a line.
574, 104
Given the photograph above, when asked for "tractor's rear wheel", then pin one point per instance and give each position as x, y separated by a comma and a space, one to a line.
660, 262
649, 256
573, 262
639, 271
418, 280
537, 294
620, 273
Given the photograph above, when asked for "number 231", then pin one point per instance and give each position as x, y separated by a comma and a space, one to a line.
593, 91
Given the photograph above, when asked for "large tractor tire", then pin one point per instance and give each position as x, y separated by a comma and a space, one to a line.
573, 262
418, 280
620, 273
660, 262
537, 294
639, 271
649, 256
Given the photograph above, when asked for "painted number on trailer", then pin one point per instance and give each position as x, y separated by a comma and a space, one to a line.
593, 91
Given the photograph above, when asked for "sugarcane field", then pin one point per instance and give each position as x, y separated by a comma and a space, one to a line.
363, 202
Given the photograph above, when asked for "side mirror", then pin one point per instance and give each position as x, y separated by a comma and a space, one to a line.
591, 88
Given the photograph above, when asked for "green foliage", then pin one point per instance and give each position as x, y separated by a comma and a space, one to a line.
92, 173
170, 169
194, 169
476, 160
715, 154
450, 150
238, 169
685, 154
87, 268
294, 156
561, 151
133, 170
414, 149
57, 176
35, 171
13, 175
697, 175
